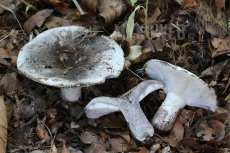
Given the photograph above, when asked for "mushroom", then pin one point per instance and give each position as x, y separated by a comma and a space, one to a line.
129, 105
64, 57
182, 88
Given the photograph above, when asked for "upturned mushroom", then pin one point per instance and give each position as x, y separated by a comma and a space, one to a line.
63, 57
182, 88
129, 105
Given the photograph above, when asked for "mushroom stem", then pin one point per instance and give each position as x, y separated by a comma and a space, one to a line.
129, 105
71, 94
165, 117
136, 120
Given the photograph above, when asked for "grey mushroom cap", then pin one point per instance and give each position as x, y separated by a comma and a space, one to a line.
64, 57
182, 88
129, 105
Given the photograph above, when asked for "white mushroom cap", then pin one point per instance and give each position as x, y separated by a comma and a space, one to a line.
129, 105
182, 85
63, 57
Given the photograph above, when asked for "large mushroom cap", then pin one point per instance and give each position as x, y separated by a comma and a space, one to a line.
64, 57
193, 90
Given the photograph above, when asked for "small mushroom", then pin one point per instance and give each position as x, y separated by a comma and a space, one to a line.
182, 88
129, 105
63, 57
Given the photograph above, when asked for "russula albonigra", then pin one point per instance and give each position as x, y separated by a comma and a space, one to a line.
129, 105
182, 88
64, 57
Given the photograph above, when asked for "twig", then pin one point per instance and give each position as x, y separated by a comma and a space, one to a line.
134, 74
14, 16
78, 7
31, 6
11, 32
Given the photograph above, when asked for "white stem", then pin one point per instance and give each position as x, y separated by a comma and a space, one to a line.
71, 94
137, 121
168, 112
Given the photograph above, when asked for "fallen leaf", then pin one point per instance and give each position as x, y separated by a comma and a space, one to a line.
10, 4
153, 18
89, 137
119, 144
186, 116
3, 123
9, 110
205, 21
190, 142
36, 19
110, 10
64, 149
219, 5
53, 148
41, 132
142, 150
53, 22
223, 47
4, 53
177, 131
10, 82
57, 3
72, 150
189, 3
219, 129
96, 148
73, 125
154, 148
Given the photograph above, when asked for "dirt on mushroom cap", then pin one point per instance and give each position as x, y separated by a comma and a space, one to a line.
62, 57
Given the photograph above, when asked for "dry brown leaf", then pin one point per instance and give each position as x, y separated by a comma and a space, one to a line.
11, 4
91, 5
110, 10
143, 57
96, 148
53, 22
53, 148
180, 1
223, 47
137, 39
219, 5
186, 116
42, 133
9, 110
177, 131
73, 125
171, 142
216, 42
36, 19
72, 150
64, 149
219, 129
154, 148
153, 18
57, 3
189, 3
142, 150
190, 142
3, 123
4, 53
110, 121
119, 144
10, 82
89, 137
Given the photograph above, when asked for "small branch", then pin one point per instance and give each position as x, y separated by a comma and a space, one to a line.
78, 7
31, 6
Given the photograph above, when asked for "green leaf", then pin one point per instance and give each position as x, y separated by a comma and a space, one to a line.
133, 1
